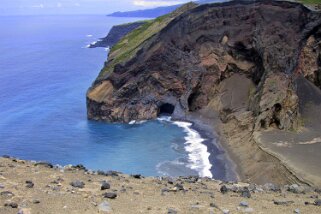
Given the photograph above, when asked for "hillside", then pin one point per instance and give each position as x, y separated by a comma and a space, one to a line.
243, 66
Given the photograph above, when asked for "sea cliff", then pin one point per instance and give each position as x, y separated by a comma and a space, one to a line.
242, 66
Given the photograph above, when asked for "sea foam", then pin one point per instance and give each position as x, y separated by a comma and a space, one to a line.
197, 152
198, 156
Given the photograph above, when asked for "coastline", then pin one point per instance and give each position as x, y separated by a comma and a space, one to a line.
244, 158
223, 167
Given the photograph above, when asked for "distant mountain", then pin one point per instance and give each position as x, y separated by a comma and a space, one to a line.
155, 12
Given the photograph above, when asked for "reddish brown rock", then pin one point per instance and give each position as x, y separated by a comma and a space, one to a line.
192, 63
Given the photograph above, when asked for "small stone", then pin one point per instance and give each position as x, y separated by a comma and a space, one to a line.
6, 194
137, 176
297, 211
296, 188
29, 184
112, 173
179, 186
36, 201
104, 207
317, 202
318, 190
283, 202
246, 193
110, 195
45, 164
213, 205
1, 186
271, 187
105, 185
171, 211
11, 204
170, 180
77, 184
244, 204
80, 167
223, 189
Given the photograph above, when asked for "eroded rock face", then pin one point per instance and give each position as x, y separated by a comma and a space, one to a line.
255, 47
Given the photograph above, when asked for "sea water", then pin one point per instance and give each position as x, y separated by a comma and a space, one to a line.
45, 70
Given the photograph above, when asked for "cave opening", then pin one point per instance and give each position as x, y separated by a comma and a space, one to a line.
277, 107
166, 109
191, 101
263, 124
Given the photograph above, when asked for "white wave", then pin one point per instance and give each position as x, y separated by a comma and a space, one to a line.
107, 49
89, 35
165, 118
197, 152
141, 121
132, 122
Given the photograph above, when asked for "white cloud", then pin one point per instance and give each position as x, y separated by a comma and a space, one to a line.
59, 4
157, 3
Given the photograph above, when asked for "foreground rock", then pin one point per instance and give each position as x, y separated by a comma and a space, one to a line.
201, 196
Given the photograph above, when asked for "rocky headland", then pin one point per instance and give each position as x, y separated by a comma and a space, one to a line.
115, 34
251, 70
38, 187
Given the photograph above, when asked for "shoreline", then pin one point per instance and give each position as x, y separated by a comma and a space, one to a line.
242, 165
218, 154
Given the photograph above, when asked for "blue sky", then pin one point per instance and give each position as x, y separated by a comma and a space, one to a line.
35, 7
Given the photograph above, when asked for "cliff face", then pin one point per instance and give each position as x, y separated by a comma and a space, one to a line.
229, 57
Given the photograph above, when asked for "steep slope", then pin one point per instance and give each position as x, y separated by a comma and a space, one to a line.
183, 63
237, 60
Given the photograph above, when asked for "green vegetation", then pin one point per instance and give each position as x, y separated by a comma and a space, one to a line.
310, 1
128, 46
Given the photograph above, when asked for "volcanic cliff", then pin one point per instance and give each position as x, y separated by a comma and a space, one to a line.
242, 59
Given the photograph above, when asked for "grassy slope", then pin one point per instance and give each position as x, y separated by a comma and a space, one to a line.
128, 46
310, 1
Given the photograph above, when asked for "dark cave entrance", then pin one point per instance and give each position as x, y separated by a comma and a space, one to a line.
191, 102
166, 109
196, 101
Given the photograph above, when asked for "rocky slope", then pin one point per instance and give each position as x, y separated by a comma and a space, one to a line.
27, 187
240, 59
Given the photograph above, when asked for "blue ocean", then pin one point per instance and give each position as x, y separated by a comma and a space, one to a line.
45, 71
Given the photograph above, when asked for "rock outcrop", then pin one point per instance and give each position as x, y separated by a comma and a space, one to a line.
257, 47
